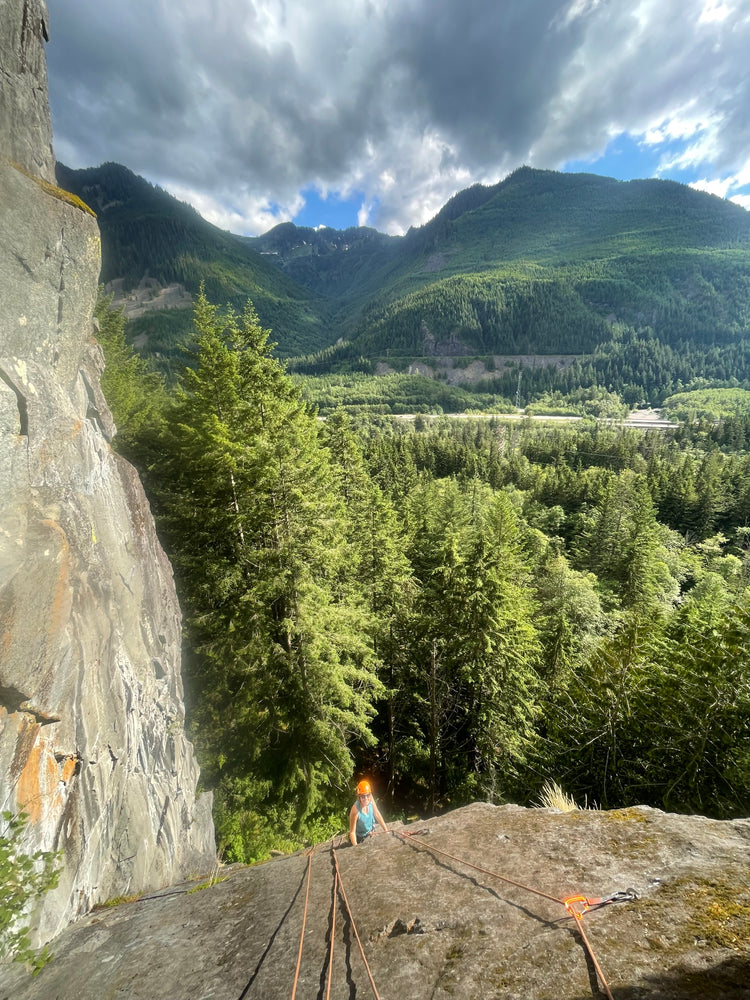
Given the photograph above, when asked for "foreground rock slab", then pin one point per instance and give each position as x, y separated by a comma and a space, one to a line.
432, 927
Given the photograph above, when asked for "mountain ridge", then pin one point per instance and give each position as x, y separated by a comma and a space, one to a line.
541, 263
147, 234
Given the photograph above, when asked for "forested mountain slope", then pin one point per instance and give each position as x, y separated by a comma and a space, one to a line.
542, 263
460, 610
146, 233
546, 262
345, 264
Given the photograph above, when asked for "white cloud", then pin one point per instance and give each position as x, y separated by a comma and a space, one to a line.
732, 186
244, 216
716, 187
241, 105
364, 215
715, 10
680, 126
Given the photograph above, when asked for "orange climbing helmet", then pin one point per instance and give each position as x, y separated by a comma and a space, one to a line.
363, 788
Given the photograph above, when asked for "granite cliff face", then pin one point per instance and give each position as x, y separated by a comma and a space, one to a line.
24, 108
92, 745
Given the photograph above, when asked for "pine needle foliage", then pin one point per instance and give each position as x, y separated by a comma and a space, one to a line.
282, 670
134, 391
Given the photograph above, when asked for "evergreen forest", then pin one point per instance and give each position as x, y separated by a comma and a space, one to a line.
460, 609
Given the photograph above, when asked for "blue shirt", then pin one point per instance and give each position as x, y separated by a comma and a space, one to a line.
365, 820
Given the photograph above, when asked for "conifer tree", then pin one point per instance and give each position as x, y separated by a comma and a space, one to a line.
625, 546
660, 714
696, 706
501, 649
378, 561
474, 648
570, 617
283, 667
135, 393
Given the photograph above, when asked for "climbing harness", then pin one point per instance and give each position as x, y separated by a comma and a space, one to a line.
575, 905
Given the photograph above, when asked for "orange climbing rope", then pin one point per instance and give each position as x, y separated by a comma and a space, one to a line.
578, 914
304, 922
336, 883
576, 906
338, 886
436, 850
567, 903
354, 927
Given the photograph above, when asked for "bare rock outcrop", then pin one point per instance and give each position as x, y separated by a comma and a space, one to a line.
433, 928
92, 744
25, 126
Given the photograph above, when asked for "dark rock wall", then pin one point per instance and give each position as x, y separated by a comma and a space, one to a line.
92, 744
25, 125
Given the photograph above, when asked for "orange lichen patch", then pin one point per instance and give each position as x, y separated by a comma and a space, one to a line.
77, 428
42, 787
38, 779
68, 769
27, 732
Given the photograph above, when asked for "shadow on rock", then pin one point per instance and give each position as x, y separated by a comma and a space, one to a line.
730, 980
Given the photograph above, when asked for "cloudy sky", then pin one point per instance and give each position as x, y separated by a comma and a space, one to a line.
375, 112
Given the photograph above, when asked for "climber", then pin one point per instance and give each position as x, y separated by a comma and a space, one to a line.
363, 814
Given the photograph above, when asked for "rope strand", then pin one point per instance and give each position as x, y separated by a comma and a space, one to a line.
304, 922
579, 923
354, 927
428, 847
333, 932
408, 838
338, 887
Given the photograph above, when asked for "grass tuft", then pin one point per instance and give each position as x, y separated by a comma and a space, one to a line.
553, 797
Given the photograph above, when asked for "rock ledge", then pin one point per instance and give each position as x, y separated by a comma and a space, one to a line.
433, 928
